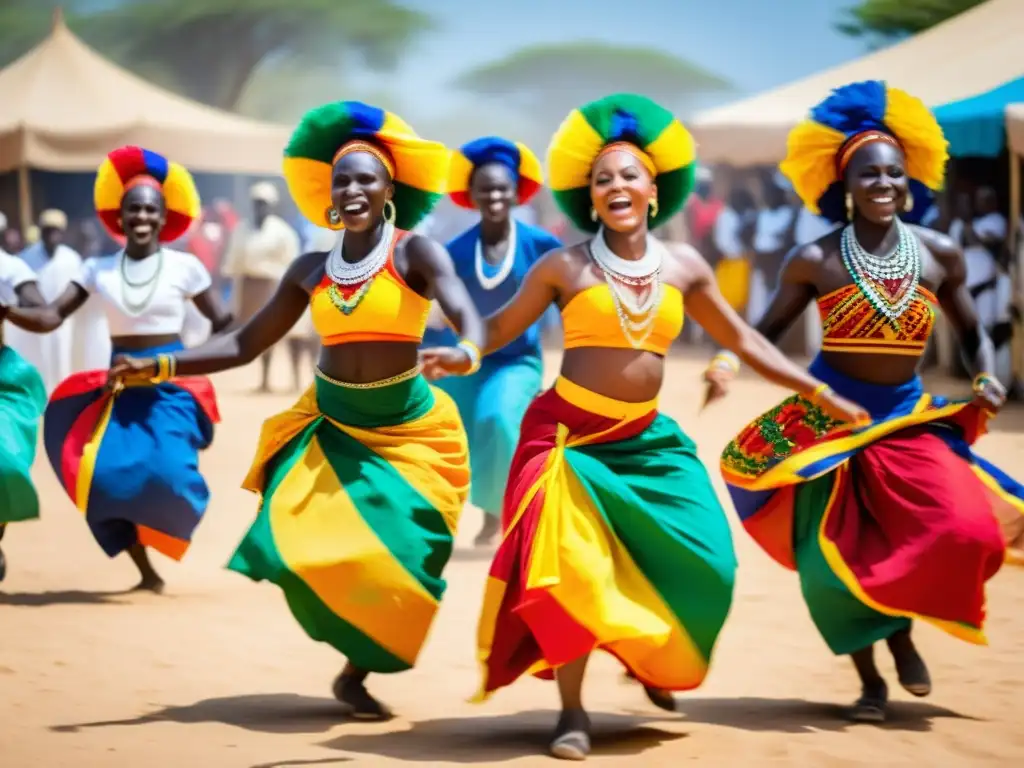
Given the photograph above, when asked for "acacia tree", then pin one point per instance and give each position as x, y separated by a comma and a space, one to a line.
546, 81
885, 21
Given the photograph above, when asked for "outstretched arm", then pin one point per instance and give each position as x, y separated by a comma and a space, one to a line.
706, 305
240, 347
428, 260
958, 306
43, 317
538, 291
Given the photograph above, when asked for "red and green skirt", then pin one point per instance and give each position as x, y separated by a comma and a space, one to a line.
895, 521
614, 540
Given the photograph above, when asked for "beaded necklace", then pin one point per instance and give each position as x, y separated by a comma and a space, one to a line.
871, 273
624, 278
345, 274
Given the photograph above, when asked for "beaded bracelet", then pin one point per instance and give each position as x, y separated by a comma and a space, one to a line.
982, 380
727, 360
473, 352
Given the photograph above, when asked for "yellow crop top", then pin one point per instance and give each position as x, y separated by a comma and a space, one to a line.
389, 309
850, 324
590, 320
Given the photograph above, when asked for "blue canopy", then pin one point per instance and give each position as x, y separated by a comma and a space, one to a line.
976, 127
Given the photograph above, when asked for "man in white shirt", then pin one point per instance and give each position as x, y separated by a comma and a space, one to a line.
256, 260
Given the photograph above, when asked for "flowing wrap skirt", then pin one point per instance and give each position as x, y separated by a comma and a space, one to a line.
895, 521
614, 540
491, 403
22, 399
129, 459
361, 490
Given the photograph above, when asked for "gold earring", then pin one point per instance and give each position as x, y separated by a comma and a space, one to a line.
333, 217
593, 213
652, 210
908, 204
390, 212
849, 207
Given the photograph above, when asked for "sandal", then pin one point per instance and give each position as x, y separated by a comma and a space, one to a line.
572, 736
871, 706
361, 705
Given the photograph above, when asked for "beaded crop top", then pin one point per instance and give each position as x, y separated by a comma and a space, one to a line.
590, 320
384, 308
850, 324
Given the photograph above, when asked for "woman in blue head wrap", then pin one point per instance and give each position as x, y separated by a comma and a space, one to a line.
493, 175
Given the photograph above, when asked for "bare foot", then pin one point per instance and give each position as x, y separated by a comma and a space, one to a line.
661, 698
489, 531
3, 565
152, 584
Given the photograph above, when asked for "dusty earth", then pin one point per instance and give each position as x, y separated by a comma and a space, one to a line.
216, 674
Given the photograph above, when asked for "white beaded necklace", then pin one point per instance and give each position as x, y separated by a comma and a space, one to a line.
504, 267
623, 276
352, 273
151, 282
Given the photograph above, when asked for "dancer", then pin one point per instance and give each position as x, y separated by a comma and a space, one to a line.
54, 264
894, 521
614, 539
491, 258
363, 480
22, 399
127, 456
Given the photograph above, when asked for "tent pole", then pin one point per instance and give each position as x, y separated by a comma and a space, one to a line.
25, 198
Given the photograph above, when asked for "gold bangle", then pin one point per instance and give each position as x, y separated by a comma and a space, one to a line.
473, 352
816, 394
726, 360
172, 367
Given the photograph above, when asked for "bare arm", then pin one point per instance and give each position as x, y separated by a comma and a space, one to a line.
706, 305
957, 304
29, 296
240, 347
538, 291
212, 308
42, 317
428, 260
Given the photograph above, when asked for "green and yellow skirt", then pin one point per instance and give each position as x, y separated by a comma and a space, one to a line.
361, 489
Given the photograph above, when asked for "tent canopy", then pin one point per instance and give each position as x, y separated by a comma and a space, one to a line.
969, 54
1015, 127
63, 107
976, 127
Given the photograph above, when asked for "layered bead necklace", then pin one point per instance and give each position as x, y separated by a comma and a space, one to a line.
873, 274
504, 267
635, 286
132, 284
348, 274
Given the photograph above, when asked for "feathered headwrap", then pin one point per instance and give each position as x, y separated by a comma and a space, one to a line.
128, 167
820, 147
661, 142
417, 167
518, 158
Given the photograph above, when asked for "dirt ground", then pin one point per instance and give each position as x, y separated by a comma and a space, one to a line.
216, 674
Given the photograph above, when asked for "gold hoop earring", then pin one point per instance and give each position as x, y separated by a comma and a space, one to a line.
390, 212
908, 204
850, 209
652, 209
593, 213
333, 217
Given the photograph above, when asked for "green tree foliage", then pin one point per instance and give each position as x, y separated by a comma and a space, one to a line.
886, 21
546, 81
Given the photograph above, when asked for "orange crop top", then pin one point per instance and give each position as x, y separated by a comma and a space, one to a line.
389, 310
850, 324
590, 320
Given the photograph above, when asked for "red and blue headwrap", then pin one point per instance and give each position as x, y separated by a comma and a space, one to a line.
521, 162
128, 167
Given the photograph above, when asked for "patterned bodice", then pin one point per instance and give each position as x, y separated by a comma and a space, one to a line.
850, 324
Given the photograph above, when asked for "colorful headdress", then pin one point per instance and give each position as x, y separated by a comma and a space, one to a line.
518, 158
635, 123
129, 166
820, 147
418, 167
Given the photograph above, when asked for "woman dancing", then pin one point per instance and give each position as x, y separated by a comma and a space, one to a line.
363, 480
614, 539
22, 399
128, 457
895, 521
491, 258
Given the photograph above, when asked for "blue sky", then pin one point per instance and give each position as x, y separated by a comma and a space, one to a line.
756, 44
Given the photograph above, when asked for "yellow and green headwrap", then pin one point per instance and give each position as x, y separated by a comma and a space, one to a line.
419, 168
623, 118
820, 147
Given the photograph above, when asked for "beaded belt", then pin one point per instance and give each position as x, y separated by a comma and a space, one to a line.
412, 373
